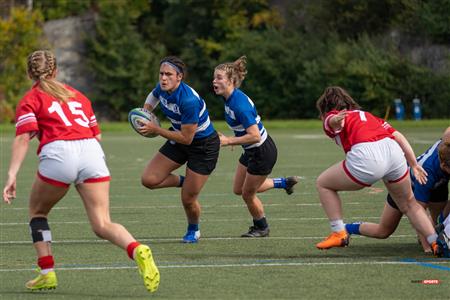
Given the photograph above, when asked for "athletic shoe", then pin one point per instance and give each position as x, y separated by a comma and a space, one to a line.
290, 182
443, 243
43, 282
335, 239
256, 232
191, 237
147, 267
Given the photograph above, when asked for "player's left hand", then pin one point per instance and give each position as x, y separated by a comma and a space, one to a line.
420, 174
224, 140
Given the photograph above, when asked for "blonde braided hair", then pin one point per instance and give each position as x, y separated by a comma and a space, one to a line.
41, 68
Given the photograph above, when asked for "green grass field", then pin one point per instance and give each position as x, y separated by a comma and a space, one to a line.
221, 265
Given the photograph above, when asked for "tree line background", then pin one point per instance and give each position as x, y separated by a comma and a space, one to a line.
294, 50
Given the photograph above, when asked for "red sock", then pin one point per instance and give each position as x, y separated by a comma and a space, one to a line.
131, 247
46, 262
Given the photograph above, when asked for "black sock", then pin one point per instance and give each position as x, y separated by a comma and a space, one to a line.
261, 223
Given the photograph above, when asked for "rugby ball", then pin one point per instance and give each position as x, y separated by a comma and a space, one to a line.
138, 117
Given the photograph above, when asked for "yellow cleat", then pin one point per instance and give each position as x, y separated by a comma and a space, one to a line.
43, 282
335, 239
147, 267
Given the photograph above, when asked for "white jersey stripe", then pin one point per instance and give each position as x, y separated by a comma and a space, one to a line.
25, 116
25, 121
428, 154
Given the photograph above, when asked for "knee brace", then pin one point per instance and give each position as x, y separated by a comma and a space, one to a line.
40, 231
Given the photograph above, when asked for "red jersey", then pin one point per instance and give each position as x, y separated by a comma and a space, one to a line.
50, 119
359, 127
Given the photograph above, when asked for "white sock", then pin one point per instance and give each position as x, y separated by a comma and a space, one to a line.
431, 238
46, 271
337, 225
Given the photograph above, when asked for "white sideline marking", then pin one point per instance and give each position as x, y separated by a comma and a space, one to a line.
179, 206
243, 265
203, 239
203, 220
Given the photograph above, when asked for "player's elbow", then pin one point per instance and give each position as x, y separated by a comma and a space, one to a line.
187, 140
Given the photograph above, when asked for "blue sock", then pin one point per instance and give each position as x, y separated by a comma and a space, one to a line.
192, 227
353, 228
279, 183
181, 181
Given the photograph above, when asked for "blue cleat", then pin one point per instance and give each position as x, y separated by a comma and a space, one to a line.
191, 236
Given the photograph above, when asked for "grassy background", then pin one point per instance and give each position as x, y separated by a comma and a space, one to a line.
222, 265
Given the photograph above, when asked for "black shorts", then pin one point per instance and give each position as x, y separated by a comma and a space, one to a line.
260, 160
201, 155
438, 195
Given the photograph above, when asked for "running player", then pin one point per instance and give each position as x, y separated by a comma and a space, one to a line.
374, 150
433, 194
191, 139
260, 152
69, 152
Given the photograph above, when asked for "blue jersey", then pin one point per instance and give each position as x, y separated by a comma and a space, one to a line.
183, 106
436, 177
240, 113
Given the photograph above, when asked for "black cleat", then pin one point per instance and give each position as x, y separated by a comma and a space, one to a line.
256, 232
290, 182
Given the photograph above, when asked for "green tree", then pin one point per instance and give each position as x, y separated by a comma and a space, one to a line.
58, 9
20, 35
123, 67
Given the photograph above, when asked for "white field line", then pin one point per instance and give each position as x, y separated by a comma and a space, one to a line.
203, 220
179, 206
203, 239
242, 265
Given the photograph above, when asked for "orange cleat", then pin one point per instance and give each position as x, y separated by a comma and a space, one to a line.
335, 239
437, 251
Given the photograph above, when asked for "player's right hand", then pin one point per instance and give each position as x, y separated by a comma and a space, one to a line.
9, 192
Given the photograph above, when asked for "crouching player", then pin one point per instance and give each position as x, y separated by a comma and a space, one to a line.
433, 194
374, 150
69, 152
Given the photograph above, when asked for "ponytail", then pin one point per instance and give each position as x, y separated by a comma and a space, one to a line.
41, 68
235, 71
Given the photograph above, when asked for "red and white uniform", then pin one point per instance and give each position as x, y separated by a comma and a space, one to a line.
68, 150
360, 127
52, 120
371, 151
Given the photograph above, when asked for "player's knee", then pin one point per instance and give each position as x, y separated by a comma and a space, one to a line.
320, 182
237, 191
383, 233
100, 230
248, 194
150, 181
40, 231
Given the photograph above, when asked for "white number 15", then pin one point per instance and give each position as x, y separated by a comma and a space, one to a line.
75, 109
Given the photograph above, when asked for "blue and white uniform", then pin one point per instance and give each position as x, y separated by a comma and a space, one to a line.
437, 179
183, 106
240, 113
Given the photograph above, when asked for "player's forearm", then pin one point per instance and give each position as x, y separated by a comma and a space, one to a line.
247, 139
176, 136
19, 151
407, 149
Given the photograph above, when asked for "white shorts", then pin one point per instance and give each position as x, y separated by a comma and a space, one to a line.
366, 163
75, 161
